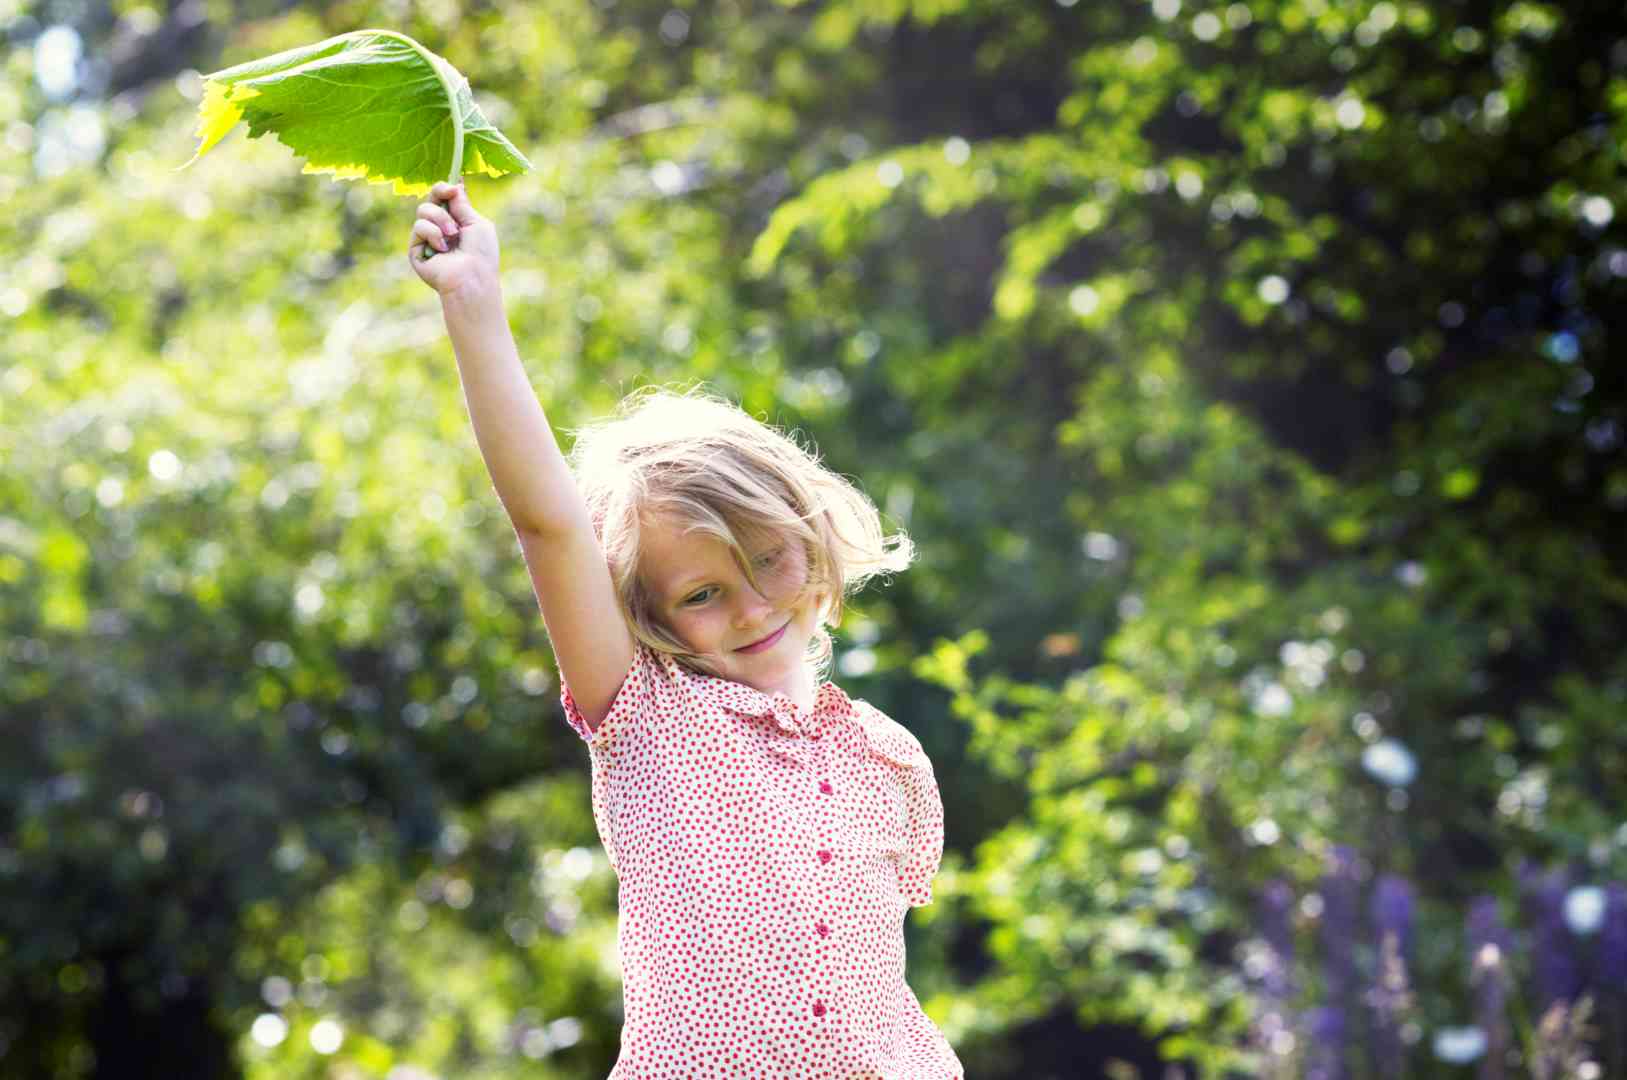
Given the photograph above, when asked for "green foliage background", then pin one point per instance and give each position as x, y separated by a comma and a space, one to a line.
1242, 371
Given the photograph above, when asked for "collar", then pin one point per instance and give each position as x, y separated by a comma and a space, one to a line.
830, 703
882, 736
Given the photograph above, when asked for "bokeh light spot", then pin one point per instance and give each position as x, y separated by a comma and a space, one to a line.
327, 1036
1273, 289
269, 1030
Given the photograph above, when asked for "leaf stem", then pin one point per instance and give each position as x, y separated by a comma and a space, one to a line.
440, 69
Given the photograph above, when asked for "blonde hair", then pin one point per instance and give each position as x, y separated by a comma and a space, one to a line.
708, 467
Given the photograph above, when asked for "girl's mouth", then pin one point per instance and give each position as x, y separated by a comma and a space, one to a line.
765, 643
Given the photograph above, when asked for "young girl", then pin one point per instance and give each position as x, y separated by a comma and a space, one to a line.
768, 832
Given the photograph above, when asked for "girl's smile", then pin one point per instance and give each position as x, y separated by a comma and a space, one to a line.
765, 643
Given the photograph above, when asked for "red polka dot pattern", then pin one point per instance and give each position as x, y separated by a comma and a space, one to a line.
766, 857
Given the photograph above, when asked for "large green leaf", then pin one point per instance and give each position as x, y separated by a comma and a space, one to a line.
373, 104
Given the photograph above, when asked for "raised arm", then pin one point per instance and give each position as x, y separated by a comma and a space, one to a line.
568, 572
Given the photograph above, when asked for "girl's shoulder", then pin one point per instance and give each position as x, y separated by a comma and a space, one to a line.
888, 738
655, 686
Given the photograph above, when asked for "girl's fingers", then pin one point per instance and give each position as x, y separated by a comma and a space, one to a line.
438, 214
430, 233
457, 201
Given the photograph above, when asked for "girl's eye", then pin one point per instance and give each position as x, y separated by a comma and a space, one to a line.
696, 599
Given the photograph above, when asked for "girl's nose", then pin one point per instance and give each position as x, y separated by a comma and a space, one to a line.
751, 610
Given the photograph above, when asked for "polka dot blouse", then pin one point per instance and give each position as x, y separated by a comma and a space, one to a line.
766, 857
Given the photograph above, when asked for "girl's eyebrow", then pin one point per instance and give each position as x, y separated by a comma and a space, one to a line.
678, 590
678, 587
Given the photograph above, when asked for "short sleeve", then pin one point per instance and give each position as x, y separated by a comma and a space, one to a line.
621, 748
923, 804
632, 701
924, 840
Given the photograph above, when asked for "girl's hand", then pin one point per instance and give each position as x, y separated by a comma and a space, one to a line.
463, 242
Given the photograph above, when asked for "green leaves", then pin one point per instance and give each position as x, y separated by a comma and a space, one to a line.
370, 104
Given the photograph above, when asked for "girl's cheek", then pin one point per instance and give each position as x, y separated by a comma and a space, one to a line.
678, 626
696, 630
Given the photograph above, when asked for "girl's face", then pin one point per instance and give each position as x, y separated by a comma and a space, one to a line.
702, 596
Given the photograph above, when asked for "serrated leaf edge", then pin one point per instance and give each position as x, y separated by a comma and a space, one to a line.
219, 112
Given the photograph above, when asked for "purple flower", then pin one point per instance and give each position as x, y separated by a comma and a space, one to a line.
1389, 996
1486, 926
1328, 1024
1324, 1058
1276, 906
1489, 946
1276, 927
1612, 945
1392, 911
1542, 898
1340, 897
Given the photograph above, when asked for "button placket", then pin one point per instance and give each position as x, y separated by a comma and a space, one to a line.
825, 855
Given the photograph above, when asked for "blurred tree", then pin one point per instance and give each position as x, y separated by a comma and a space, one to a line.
267, 639
1312, 305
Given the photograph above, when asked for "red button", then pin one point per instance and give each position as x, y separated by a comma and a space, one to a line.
819, 1008
824, 786
825, 856
824, 931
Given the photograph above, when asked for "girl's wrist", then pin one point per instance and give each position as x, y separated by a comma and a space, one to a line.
479, 296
